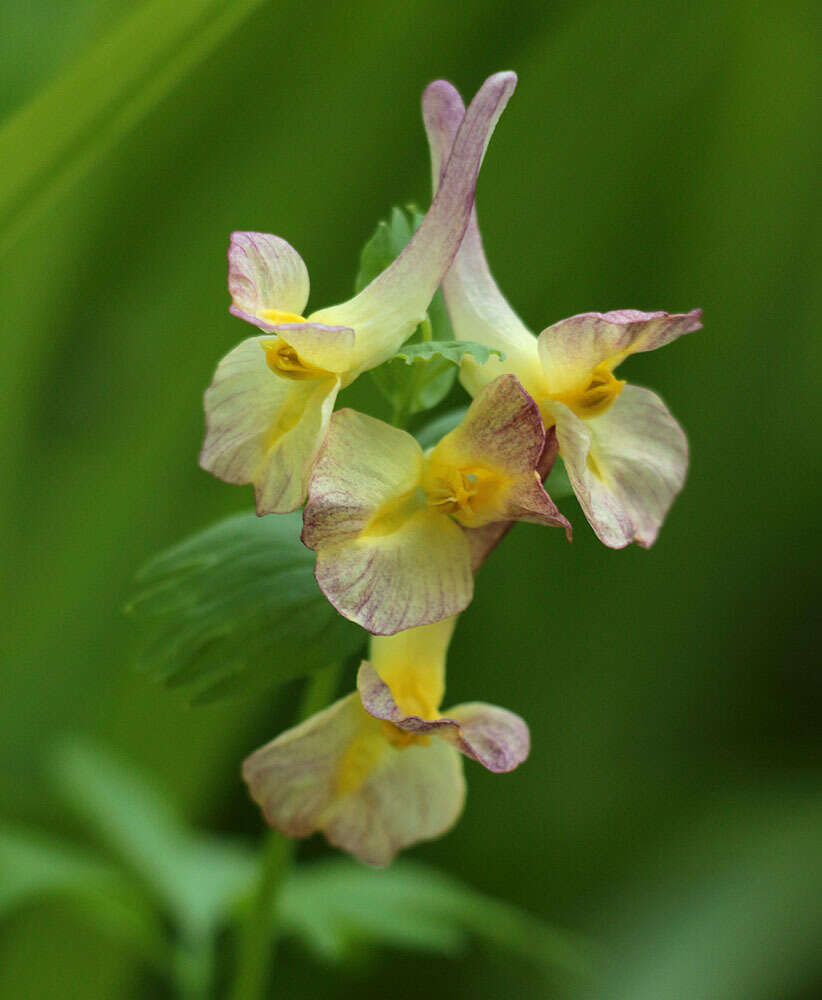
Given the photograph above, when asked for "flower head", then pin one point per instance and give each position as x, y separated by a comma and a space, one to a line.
625, 455
381, 769
397, 532
269, 404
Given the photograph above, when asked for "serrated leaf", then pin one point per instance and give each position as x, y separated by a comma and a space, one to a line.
433, 368
450, 351
337, 906
235, 608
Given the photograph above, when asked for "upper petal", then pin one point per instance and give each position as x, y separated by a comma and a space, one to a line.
503, 432
476, 306
263, 429
385, 313
383, 559
492, 736
571, 349
327, 347
265, 272
626, 466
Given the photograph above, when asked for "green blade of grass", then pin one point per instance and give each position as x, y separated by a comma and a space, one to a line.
50, 143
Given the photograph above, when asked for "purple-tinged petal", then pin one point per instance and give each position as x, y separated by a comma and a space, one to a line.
265, 273
384, 560
500, 443
325, 347
263, 429
571, 349
626, 466
492, 736
295, 778
385, 313
417, 794
337, 773
476, 306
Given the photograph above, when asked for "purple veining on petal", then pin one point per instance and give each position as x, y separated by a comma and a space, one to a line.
492, 736
265, 272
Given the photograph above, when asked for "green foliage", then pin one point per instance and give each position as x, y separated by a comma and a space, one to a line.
86, 111
431, 432
35, 867
336, 906
158, 868
136, 822
421, 373
406, 391
235, 608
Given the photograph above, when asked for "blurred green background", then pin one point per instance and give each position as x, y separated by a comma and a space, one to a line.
654, 156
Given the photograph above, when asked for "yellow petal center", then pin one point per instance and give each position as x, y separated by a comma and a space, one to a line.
281, 357
470, 494
595, 395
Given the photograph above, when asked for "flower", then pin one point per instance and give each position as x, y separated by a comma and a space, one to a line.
268, 407
625, 455
397, 532
380, 769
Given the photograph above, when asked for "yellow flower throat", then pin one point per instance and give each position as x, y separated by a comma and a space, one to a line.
469, 494
596, 394
281, 357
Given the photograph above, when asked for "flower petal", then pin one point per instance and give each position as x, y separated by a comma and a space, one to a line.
326, 347
476, 306
383, 560
572, 348
385, 313
417, 793
337, 773
263, 429
503, 431
295, 778
492, 736
412, 663
626, 466
265, 272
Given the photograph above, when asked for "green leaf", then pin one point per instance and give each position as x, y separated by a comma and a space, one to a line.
135, 820
337, 906
35, 867
449, 352
386, 244
235, 608
421, 373
118, 81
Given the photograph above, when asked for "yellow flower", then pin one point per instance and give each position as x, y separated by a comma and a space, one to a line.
397, 532
625, 455
268, 407
381, 769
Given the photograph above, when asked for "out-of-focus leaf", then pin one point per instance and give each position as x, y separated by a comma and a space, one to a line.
197, 879
235, 608
35, 867
337, 906
53, 140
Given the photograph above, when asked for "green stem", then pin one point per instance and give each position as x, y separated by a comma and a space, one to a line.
256, 937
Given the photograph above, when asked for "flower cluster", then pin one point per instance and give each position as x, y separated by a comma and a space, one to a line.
400, 531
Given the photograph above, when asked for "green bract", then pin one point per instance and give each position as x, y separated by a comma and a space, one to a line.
235, 608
